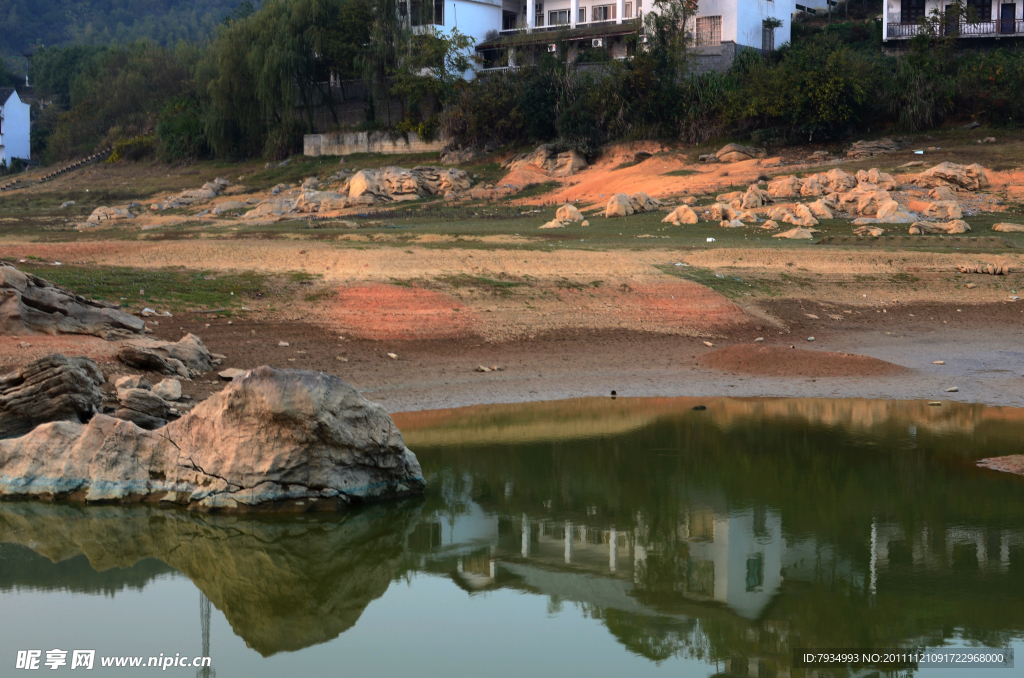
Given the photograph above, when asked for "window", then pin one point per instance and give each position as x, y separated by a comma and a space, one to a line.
709, 31
426, 12
558, 17
603, 13
982, 10
583, 16
538, 19
755, 572
911, 11
627, 10
767, 38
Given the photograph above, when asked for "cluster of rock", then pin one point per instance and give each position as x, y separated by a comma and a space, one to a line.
734, 153
623, 205
30, 304
866, 149
952, 227
285, 439
102, 214
544, 158
209, 191
394, 184
990, 269
187, 358
566, 215
147, 406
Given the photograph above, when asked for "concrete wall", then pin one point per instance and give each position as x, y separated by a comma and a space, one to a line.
16, 126
344, 143
472, 18
742, 19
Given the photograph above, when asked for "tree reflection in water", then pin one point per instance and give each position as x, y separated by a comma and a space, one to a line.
730, 535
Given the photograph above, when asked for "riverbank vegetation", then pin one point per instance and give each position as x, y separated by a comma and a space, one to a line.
264, 79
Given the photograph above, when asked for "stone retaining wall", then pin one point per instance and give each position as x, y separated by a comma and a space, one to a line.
344, 143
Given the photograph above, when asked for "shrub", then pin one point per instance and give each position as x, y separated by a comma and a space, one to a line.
180, 130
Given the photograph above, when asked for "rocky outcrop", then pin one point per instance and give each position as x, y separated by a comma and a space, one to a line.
623, 204
29, 304
953, 227
1008, 228
101, 214
968, 177
285, 439
866, 149
188, 357
395, 184
545, 159
53, 388
738, 153
209, 190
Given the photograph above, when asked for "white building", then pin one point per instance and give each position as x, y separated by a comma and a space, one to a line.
719, 29
902, 19
14, 127
473, 18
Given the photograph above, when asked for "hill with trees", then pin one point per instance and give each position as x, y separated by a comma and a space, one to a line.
29, 24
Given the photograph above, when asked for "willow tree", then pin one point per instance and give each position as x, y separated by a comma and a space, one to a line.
263, 68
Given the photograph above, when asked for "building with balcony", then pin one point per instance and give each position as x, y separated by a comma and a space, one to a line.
567, 28
985, 19
14, 127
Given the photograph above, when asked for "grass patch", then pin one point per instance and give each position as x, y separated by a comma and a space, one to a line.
502, 287
729, 286
320, 295
535, 190
171, 289
680, 173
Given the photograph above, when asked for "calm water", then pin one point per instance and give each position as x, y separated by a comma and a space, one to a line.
588, 537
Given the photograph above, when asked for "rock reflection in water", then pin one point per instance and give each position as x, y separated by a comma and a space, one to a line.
283, 584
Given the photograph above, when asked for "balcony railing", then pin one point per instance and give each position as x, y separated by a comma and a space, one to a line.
979, 29
566, 26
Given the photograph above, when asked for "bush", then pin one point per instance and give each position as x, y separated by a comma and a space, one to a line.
180, 131
133, 148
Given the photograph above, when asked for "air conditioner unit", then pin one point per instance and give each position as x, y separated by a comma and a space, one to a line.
643, 39
552, 48
597, 42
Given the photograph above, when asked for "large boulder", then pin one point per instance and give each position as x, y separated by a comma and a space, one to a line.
641, 202
797, 234
29, 304
618, 206
188, 357
568, 213
969, 177
53, 388
1008, 228
683, 214
285, 439
738, 153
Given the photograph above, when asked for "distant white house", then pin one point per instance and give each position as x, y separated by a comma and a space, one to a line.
14, 127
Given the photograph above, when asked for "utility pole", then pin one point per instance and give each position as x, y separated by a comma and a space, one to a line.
204, 623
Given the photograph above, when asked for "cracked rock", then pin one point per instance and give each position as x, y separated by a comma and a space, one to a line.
271, 440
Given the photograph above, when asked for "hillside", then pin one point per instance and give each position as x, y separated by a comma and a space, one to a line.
34, 23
